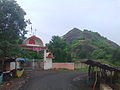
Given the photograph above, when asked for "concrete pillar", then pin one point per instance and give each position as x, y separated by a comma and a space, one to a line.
33, 64
48, 64
44, 55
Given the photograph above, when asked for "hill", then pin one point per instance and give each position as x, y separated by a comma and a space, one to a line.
78, 44
76, 34
88, 44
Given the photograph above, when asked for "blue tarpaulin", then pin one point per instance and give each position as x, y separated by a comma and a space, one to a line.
23, 59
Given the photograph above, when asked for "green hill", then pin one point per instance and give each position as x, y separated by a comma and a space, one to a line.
78, 44
76, 34
88, 44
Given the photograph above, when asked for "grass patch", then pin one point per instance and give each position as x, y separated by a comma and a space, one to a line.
86, 69
62, 69
81, 69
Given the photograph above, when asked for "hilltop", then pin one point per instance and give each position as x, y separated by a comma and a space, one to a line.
88, 44
76, 34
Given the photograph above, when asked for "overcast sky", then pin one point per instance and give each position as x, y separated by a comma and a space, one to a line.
56, 17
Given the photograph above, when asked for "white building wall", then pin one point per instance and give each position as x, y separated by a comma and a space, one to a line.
12, 65
48, 63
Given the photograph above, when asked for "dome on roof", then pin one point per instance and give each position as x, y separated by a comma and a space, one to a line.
33, 40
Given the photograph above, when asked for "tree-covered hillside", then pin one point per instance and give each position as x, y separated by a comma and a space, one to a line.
76, 34
85, 45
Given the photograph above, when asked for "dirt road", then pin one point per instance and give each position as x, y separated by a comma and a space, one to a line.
55, 80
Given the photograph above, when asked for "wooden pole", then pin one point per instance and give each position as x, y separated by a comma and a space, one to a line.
2, 65
89, 70
95, 81
111, 78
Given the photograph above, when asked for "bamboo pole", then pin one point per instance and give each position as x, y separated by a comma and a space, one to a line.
95, 81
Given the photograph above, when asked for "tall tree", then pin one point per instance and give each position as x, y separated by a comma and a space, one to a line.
12, 26
60, 49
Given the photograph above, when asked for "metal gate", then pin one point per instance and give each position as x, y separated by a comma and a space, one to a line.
34, 64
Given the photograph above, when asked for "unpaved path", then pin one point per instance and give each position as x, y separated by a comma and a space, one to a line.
56, 80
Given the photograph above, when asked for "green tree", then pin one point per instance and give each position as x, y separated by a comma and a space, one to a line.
31, 54
12, 27
59, 48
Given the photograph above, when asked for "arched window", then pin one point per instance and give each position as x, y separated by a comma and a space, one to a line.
31, 41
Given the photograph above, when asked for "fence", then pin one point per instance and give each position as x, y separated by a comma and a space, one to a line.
34, 64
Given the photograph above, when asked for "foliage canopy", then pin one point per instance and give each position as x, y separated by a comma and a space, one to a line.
12, 27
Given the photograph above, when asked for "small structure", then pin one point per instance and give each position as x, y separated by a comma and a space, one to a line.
9, 67
33, 43
48, 61
36, 44
12, 67
99, 73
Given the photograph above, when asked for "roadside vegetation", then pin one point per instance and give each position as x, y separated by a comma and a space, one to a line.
13, 30
84, 45
12, 27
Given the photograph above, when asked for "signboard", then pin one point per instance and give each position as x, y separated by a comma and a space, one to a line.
36, 48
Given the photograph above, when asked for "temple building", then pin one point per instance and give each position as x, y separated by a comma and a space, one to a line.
36, 44
33, 43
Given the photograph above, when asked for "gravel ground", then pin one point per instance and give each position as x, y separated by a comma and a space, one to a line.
56, 80
16, 83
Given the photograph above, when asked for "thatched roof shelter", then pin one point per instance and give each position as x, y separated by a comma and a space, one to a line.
94, 63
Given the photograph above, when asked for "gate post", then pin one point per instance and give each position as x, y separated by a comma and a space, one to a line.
45, 55
33, 64
47, 60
